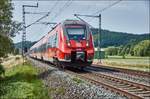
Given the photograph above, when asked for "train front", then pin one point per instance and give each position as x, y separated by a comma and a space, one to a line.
79, 48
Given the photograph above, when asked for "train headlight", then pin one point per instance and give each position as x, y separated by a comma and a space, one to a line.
87, 44
68, 43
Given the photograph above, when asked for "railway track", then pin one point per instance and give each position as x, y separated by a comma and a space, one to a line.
127, 71
123, 87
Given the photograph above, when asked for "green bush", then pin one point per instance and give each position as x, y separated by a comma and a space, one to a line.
2, 70
123, 57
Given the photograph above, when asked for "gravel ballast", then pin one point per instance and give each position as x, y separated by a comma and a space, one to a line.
133, 78
62, 85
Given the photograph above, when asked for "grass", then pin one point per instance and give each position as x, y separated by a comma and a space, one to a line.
77, 80
12, 61
130, 62
57, 90
22, 82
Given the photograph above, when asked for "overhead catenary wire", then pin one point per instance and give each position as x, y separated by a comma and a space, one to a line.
105, 8
46, 15
38, 20
97, 12
67, 4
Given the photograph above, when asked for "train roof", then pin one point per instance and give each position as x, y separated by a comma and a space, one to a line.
69, 21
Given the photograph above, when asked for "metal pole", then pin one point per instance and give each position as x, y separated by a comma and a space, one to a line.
99, 39
24, 32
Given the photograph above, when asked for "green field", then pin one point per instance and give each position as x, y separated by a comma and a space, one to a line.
22, 82
135, 63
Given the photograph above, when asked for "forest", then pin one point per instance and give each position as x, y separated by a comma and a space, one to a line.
140, 49
119, 43
112, 38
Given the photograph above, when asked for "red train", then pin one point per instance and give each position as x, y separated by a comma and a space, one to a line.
70, 41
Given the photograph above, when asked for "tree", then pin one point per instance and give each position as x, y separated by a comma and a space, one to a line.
8, 27
5, 45
142, 48
112, 51
5, 16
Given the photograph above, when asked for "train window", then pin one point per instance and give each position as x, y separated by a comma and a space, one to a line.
54, 41
76, 33
48, 45
45, 47
49, 42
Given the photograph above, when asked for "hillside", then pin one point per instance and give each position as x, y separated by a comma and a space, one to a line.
28, 44
109, 38
112, 38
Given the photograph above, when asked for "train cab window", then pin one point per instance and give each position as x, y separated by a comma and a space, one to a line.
52, 41
76, 33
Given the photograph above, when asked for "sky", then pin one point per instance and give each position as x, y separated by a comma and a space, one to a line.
130, 16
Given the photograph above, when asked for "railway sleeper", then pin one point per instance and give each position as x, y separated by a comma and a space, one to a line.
145, 95
123, 85
137, 90
134, 90
144, 92
130, 88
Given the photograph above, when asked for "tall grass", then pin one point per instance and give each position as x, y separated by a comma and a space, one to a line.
21, 82
130, 62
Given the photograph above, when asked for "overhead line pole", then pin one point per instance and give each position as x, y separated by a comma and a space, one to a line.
99, 33
24, 28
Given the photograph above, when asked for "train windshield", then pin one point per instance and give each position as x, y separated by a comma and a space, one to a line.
76, 33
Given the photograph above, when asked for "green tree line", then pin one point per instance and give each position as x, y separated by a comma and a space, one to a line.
112, 38
140, 49
8, 29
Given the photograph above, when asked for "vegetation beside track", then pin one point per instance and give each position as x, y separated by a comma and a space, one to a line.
130, 62
77, 80
21, 81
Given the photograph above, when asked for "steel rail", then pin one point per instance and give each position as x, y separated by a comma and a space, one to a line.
123, 70
112, 88
123, 87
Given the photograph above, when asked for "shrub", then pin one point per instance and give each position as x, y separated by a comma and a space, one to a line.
2, 70
123, 57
